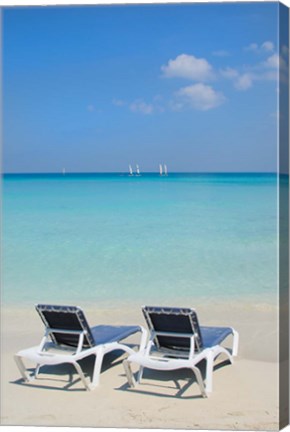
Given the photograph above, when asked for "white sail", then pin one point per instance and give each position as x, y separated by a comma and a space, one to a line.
130, 170
137, 170
160, 169
63, 171
165, 170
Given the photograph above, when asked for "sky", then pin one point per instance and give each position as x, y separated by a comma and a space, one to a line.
96, 88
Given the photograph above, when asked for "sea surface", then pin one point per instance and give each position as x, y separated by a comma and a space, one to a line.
112, 239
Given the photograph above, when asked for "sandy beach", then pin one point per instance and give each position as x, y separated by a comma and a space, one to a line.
245, 394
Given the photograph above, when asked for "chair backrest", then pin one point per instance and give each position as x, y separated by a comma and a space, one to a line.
69, 318
173, 320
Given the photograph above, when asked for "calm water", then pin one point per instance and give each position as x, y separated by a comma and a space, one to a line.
115, 239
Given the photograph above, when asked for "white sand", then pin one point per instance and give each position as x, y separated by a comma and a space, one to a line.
245, 394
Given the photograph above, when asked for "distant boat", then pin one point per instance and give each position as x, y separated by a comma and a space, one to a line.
137, 170
160, 169
63, 171
165, 170
130, 171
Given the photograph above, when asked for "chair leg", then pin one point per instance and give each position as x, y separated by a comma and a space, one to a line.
235, 343
37, 370
81, 374
218, 350
97, 368
140, 374
129, 374
209, 372
22, 369
199, 380
212, 355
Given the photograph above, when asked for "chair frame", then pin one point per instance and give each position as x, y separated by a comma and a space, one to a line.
48, 352
145, 360
193, 356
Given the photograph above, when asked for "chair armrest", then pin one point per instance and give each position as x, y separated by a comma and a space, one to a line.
48, 331
144, 339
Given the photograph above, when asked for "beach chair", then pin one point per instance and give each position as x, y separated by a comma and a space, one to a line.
176, 341
69, 339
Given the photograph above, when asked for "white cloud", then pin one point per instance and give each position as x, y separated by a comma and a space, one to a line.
244, 82
221, 53
199, 96
92, 108
272, 61
276, 62
270, 75
176, 106
262, 71
229, 73
252, 47
267, 46
142, 107
189, 67
118, 102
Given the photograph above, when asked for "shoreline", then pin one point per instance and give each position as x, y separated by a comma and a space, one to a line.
251, 302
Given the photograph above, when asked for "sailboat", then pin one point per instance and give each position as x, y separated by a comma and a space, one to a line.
160, 169
137, 170
63, 171
130, 171
165, 170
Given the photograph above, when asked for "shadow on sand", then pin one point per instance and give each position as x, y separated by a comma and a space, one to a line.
65, 374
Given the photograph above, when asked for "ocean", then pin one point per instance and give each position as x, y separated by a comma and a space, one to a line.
112, 239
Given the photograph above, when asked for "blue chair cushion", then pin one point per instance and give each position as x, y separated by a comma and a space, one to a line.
105, 333
212, 336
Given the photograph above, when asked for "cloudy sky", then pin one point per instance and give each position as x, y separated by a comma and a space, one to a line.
98, 88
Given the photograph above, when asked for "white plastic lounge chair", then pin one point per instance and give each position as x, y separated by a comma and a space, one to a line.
177, 341
68, 339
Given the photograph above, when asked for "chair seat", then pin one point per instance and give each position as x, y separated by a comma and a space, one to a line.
212, 336
103, 334
158, 364
46, 358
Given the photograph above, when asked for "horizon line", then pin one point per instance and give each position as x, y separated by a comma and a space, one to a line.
142, 172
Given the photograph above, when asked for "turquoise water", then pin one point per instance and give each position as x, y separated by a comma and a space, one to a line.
111, 238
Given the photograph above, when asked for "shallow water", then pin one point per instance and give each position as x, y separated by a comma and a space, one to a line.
116, 239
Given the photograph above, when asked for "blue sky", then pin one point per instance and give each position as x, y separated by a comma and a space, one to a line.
97, 88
